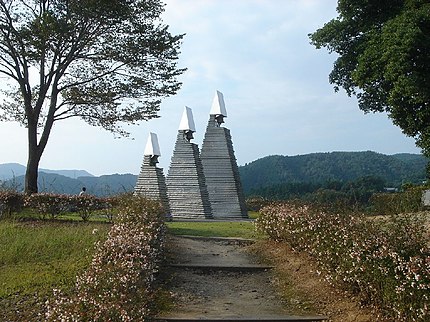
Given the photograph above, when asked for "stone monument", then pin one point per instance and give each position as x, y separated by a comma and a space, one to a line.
220, 166
186, 185
151, 182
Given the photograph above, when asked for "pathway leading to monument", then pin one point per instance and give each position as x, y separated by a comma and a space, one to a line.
215, 279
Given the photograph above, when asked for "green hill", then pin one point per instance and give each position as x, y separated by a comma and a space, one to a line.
318, 168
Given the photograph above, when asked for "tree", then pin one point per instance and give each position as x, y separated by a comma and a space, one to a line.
384, 59
105, 61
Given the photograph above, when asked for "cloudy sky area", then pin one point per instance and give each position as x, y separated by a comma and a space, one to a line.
275, 86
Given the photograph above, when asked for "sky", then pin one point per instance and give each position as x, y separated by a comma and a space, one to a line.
275, 87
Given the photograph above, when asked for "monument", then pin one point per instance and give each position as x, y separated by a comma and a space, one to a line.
151, 182
220, 166
186, 185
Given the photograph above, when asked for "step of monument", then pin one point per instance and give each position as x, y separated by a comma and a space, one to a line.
191, 217
248, 319
227, 268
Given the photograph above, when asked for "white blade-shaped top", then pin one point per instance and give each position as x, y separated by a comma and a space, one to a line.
152, 148
187, 121
218, 105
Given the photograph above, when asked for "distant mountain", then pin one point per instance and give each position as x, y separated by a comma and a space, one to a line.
55, 183
10, 170
334, 166
109, 184
74, 174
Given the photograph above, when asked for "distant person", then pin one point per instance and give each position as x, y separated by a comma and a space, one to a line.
83, 191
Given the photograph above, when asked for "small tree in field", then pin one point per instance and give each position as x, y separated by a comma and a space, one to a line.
103, 61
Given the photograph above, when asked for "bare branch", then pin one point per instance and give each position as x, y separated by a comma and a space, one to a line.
92, 79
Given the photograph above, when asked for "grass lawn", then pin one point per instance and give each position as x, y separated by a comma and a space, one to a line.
28, 214
37, 256
243, 229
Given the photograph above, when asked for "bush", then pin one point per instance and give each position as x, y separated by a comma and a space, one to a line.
256, 203
86, 205
396, 203
10, 202
53, 205
48, 204
109, 207
386, 262
118, 285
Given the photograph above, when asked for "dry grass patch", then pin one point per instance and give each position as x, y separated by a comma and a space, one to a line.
306, 292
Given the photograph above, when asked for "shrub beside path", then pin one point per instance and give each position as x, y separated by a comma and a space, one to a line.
217, 279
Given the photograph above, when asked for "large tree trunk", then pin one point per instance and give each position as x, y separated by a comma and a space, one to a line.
35, 147
32, 173
33, 159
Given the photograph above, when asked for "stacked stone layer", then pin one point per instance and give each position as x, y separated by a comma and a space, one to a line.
151, 183
186, 185
222, 173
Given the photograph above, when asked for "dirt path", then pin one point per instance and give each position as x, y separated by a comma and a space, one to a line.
219, 279
307, 291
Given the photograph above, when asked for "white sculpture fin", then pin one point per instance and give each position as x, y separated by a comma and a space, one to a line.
187, 121
152, 148
218, 105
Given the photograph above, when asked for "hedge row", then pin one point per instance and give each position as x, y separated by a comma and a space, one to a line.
118, 285
386, 262
10, 202
378, 203
397, 203
48, 205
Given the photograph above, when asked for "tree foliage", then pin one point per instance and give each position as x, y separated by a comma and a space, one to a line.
105, 61
384, 59
340, 180
332, 168
338, 193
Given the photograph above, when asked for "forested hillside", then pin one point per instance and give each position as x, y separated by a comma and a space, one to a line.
311, 171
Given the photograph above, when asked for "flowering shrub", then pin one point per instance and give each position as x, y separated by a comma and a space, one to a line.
53, 205
118, 285
386, 262
10, 201
48, 204
86, 205
109, 205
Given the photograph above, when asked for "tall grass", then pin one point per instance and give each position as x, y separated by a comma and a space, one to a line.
37, 255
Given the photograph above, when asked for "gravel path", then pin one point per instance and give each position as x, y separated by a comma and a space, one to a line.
218, 279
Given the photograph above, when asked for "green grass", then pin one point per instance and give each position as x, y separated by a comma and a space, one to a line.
253, 214
243, 229
36, 256
96, 217
27, 213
